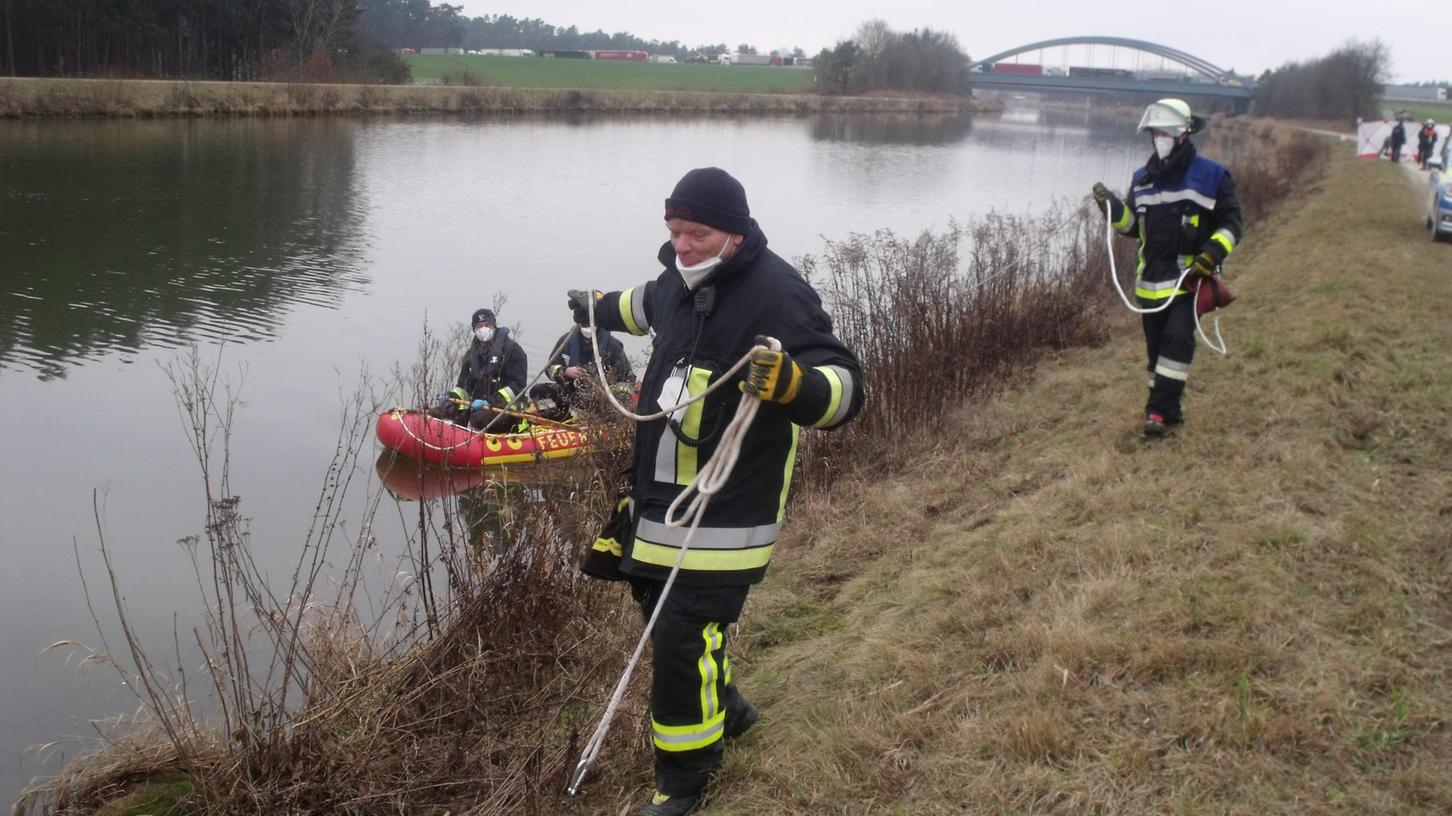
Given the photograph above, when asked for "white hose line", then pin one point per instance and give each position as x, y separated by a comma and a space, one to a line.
1114, 273
1114, 277
710, 479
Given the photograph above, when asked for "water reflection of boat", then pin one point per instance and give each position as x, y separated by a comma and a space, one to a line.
415, 481
439, 442
412, 480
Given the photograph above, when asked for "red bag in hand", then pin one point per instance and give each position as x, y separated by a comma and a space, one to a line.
1212, 293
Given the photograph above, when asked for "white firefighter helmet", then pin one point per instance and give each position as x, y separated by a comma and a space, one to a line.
1172, 116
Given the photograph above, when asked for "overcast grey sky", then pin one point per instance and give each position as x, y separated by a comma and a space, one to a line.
1245, 35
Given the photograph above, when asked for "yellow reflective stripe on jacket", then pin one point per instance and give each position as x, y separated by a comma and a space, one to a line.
686, 455
608, 545
1125, 218
1225, 239
632, 310
508, 394
704, 560
786, 476
1157, 294
688, 737
839, 380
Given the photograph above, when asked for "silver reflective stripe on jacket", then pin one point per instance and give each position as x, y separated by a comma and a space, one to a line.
1170, 197
708, 538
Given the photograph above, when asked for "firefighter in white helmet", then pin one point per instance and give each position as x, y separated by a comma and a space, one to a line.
1182, 209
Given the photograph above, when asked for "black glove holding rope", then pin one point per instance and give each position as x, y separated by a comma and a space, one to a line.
581, 302
1103, 194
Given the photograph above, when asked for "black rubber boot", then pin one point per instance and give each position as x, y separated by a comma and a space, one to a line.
1155, 425
740, 716
663, 805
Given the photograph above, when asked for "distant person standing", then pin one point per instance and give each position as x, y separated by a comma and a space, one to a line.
1426, 140
1398, 138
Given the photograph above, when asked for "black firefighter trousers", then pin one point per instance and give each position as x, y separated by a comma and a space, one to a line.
691, 692
1169, 340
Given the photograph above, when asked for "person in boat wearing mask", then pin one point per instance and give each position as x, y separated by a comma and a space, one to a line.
720, 290
572, 370
492, 375
1183, 210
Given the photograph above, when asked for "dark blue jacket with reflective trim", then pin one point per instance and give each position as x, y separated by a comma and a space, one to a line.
755, 293
1177, 209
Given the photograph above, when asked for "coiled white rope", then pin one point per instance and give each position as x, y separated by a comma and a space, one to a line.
709, 480
1114, 277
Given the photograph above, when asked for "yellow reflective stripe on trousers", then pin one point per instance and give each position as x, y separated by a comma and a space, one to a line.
686, 459
661, 555
1175, 370
710, 672
688, 737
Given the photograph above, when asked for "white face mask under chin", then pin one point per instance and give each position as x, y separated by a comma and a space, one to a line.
694, 275
1164, 145
484, 333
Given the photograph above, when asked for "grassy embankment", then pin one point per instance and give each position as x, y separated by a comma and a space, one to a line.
482, 84
535, 72
1041, 612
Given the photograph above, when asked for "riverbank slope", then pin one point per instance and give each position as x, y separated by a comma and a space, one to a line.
25, 97
1046, 613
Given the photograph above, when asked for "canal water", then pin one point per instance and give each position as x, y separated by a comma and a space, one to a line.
304, 257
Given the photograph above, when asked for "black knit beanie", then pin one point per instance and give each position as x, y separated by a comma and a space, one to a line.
710, 196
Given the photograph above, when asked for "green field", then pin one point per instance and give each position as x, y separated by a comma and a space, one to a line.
538, 72
1419, 111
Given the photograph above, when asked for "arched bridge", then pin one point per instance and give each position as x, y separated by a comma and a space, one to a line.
1199, 76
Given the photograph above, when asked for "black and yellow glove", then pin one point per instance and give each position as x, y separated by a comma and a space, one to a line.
773, 375
1205, 264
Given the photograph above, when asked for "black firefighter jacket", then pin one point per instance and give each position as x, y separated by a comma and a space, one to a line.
495, 371
697, 336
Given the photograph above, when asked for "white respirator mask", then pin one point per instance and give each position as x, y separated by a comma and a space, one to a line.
694, 275
587, 332
1164, 145
484, 333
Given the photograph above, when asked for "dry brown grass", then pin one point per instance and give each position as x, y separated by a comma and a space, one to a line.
145, 98
1046, 614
